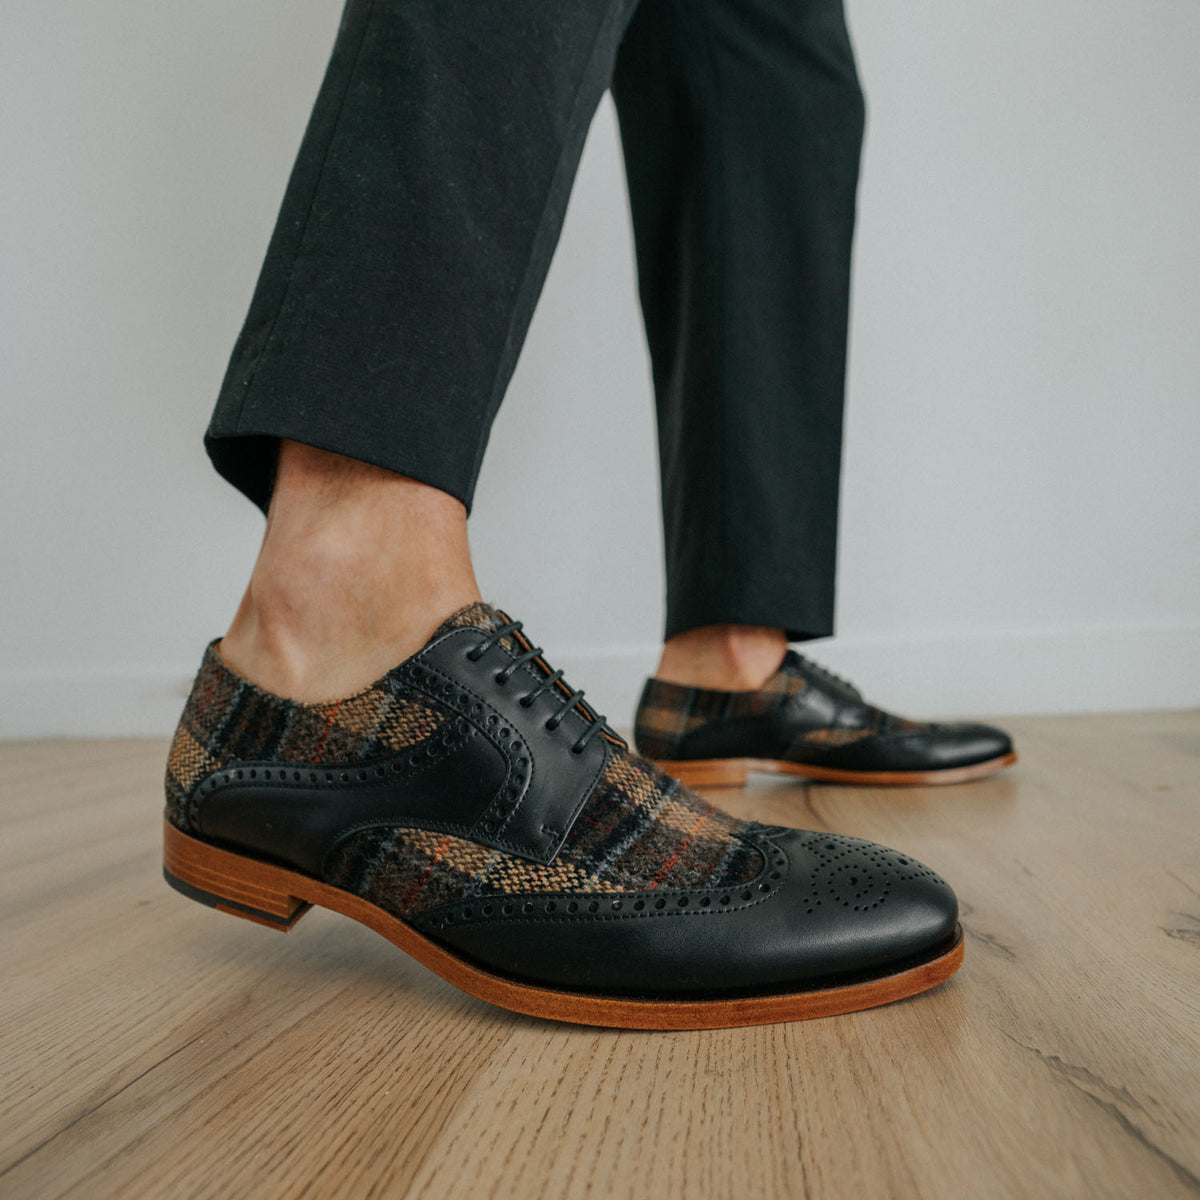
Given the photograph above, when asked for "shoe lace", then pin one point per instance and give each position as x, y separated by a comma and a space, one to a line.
568, 702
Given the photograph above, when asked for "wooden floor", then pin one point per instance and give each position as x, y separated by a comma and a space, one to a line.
152, 1047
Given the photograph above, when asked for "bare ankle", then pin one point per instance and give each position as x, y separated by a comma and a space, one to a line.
358, 567
723, 657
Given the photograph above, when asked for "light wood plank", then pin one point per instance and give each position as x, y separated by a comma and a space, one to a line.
151, 1047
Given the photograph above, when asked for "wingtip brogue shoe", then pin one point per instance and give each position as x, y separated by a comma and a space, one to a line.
474, 809
808, 722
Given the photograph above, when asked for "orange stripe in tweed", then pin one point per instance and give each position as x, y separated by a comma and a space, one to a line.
327, 731
687, 841
410, 899
206, 699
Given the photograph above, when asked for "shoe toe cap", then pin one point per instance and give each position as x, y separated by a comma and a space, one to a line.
857, 907
934, 747
973, 743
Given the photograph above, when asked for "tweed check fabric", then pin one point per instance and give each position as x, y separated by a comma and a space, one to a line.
227, 717
668, 712
481, 616
640, 829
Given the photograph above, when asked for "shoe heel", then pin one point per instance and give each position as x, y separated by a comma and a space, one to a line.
709, 772
229, 883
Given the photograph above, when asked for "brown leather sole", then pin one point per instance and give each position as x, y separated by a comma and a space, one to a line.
277, 898
733, 772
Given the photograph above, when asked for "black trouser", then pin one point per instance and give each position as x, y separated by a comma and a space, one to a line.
425, 204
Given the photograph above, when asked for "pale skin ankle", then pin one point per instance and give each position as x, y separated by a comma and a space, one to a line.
357, 568
728, 658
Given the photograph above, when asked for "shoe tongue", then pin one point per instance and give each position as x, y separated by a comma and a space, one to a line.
477, 614
480, 615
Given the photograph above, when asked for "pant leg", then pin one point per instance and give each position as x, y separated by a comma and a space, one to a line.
414, 235
742, 123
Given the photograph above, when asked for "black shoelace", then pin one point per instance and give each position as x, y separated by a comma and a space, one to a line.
569, 701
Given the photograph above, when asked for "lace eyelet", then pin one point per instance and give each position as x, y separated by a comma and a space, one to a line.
525, 702
552, 724
501, 678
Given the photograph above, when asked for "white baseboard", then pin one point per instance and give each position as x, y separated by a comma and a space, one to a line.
1014, 672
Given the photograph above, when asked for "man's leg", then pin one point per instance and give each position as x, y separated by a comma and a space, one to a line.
414, 236
413, 239
742, 123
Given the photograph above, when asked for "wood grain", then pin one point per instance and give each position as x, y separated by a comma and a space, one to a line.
153, 1047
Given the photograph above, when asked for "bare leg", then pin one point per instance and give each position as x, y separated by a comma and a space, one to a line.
729, 658
358, 567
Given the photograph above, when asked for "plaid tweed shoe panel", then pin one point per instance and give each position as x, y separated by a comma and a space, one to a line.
473, 808
806, 721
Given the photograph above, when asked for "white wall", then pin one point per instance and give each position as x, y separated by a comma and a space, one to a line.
1020, 528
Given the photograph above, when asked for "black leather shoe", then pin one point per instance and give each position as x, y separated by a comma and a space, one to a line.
472, 808
805, 721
